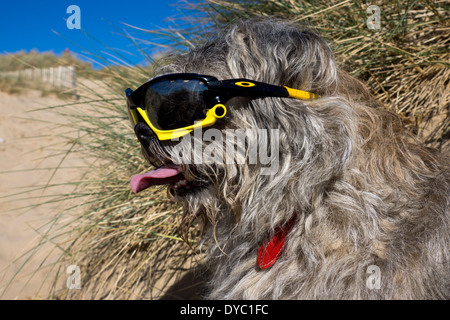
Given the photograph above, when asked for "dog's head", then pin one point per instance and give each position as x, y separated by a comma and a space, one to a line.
266, 155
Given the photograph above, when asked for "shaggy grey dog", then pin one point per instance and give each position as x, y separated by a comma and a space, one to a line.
364, 206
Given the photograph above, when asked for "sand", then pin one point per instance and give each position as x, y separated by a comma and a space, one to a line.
31, 146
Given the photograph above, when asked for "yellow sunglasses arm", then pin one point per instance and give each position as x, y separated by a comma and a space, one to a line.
300, 94
210, 119
134, 116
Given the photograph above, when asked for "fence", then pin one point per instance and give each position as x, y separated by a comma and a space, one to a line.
59, 77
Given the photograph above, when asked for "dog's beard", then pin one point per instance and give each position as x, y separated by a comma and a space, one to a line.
179, 177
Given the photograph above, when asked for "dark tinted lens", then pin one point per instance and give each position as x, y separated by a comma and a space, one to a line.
173, 104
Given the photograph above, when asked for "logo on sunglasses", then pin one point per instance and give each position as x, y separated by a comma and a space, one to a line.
231, 146
245, 84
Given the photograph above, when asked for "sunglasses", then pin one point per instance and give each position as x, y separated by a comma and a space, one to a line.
174, 105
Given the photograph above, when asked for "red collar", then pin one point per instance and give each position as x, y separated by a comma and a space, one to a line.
270, 250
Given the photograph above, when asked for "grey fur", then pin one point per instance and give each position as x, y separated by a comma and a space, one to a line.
365, 192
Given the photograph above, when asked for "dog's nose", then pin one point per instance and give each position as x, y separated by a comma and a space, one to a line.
144, 134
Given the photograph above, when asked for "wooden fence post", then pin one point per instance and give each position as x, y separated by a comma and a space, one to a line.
60, 77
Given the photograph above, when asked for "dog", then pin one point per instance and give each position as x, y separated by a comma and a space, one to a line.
355, 207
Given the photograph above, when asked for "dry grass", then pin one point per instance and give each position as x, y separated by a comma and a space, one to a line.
24, 60
124, 244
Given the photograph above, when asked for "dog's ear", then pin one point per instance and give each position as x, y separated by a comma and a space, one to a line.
351, 88
282, 53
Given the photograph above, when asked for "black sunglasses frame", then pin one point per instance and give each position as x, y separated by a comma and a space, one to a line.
223, 90
217, 93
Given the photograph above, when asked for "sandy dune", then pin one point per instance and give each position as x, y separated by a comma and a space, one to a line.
31, 146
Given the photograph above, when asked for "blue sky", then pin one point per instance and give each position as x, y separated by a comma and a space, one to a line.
27, 25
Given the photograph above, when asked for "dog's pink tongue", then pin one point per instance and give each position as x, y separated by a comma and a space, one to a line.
161, 175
